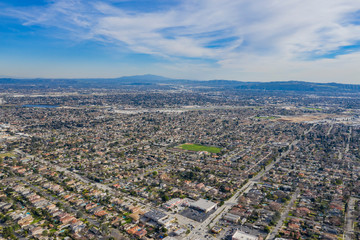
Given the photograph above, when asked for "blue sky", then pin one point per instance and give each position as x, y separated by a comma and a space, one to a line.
257, 40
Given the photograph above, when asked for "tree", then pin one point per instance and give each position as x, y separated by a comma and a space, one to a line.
165, 198
45, 233
79, 214
8, 232
338, 181
104, 228
59, 204
275, 218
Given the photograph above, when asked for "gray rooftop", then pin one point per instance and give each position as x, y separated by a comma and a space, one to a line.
155, 215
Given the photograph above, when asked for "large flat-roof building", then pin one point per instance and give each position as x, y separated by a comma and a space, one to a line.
159, 217
231, 217
204, 205
169, 238
156, 215
173, 203
239, 235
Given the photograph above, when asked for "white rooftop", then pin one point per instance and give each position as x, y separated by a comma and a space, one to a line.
203, 204
239, 235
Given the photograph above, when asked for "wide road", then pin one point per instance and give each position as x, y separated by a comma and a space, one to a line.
202, 229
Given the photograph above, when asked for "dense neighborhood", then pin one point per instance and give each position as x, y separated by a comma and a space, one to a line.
178, 165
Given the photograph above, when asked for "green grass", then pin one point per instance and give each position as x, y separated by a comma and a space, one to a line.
36, 220
198, 148
266, 117
314, 109
8, 154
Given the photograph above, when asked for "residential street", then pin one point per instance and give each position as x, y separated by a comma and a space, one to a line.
284, 215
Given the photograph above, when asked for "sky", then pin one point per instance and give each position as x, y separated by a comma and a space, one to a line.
245, 40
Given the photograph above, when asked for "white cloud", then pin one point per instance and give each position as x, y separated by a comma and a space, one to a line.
276, 34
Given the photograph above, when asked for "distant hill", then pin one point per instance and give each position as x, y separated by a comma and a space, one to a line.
159, 82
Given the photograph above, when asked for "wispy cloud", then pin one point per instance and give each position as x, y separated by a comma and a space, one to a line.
229, 32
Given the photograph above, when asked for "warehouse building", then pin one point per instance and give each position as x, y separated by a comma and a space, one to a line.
156, 216
231, 217
204, 205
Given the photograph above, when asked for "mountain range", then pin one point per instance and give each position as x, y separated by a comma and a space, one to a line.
153, 81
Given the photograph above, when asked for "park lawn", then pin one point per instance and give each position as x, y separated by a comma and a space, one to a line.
8, 154
198, 148
267, 117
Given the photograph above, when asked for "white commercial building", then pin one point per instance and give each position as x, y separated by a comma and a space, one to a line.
239, 235
204, 205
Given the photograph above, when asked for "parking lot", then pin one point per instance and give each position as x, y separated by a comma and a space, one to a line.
230, 228
195, 214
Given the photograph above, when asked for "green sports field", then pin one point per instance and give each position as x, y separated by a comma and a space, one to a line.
198, 148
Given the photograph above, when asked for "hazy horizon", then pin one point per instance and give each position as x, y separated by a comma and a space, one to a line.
257, 41
168, 78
